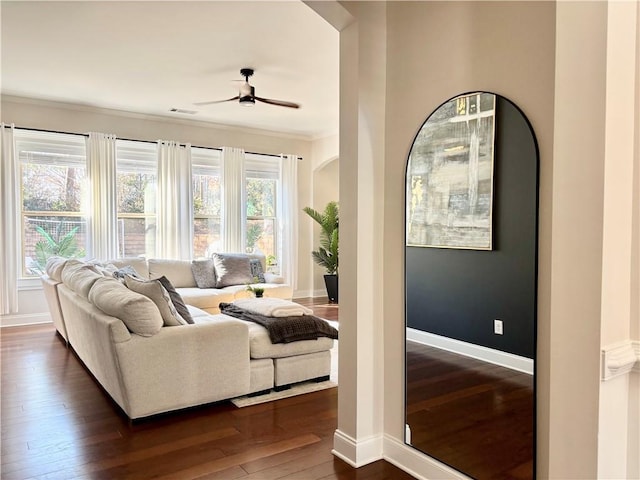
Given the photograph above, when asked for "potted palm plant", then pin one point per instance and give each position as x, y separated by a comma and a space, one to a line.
327, 254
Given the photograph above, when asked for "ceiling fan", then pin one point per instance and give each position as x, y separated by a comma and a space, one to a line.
247, 96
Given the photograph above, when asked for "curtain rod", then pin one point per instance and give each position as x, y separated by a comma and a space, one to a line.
135, 140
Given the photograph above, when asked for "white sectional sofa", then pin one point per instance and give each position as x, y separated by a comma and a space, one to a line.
149, 368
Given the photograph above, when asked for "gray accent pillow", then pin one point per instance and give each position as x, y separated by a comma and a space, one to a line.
256, 270
204, 273
232, 269
177, 300
154, 290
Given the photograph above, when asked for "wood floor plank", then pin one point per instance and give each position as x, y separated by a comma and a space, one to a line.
243, 457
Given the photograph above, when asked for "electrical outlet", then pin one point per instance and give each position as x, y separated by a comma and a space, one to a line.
497, 327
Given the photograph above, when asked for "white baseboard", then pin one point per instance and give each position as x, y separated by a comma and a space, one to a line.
309, 293
16, 320
413, 461
357, 452
504, 359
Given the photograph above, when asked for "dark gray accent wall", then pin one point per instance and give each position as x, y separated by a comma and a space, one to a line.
459, 293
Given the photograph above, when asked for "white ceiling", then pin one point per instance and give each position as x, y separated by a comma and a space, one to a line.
151, 56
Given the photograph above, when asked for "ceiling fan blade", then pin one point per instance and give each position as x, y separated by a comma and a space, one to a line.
200, 104
280, 103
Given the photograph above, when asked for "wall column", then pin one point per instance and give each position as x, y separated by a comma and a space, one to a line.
616, 416
568, 426
358, 439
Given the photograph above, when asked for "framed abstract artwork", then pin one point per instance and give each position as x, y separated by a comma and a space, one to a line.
450, 176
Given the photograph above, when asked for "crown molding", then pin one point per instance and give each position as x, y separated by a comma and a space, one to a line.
86, 108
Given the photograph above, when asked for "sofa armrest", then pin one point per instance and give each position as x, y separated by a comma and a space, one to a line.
50, 289
184, 366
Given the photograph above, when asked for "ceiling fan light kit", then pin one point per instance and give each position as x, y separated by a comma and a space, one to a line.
246, 96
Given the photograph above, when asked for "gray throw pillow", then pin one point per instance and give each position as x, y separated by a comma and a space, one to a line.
124, 271
154, 290
204, 273
177, 300
232, 269
256, 270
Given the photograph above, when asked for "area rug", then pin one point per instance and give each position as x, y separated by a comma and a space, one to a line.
298, 389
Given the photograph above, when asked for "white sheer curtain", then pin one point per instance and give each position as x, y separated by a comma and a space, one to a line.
233, 200
102, 218
174, 209
9, 231
288, 219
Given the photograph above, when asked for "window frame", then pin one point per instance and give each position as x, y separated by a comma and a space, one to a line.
205, 162
263, 167
36, 147
136, 157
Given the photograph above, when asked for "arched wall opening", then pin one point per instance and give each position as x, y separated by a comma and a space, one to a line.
326, 188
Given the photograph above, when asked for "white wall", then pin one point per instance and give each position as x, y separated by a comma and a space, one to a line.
400, 61
325, 182
326, 188
29, 113
502, 47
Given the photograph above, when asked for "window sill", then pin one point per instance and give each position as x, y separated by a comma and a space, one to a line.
25, 284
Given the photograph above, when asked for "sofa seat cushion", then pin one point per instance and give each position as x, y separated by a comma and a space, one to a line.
260, 345
198, 314
204, 298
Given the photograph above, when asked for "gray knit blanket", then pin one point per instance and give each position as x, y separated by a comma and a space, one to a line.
284, 329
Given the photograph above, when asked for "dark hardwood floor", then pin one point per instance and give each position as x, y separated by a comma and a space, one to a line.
57, 423
472, 415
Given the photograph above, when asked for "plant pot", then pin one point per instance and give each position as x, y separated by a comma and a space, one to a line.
331, 283
259, 294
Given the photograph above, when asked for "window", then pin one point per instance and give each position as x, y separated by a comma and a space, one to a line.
52, 175
261, 182
53, 214
136, 186
207, 201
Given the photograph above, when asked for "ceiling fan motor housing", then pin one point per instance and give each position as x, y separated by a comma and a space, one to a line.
247, 95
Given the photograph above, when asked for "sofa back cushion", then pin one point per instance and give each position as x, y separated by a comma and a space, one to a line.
79, 276
177, 271
54, 267
137, 312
